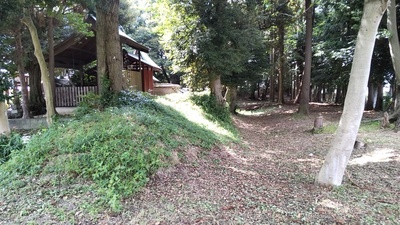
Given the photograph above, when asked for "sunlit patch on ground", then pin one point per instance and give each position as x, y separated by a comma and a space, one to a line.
234, 155
187, 110
246, 172
376, 156
333, 205
313, 161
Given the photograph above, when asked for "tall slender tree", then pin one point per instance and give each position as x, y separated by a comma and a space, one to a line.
304, 107
394, 51
333, 169
38, 51
19, 58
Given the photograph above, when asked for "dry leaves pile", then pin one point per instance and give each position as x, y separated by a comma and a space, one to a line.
268, 178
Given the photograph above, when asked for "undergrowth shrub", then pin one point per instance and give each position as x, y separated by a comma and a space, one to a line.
213, 110
9, 144
118, 148
89, 103
137, 99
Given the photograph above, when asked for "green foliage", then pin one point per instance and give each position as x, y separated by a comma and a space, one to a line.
118, 148
327, 129
387, 103
368, 126
137, 99
335, 31
9, 144
107, 96
5, 85
213, 110
208, 39
76, 21
88, 104
365, 126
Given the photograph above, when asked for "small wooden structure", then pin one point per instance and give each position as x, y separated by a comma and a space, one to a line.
138, 70
78, 50
71, 96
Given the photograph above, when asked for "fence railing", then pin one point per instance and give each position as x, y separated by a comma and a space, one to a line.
71, 96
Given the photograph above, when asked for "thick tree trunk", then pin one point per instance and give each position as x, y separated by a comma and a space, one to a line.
4, 126
304, 107
109, 53
231, 98
216, 89
36, 99
394, 44
21, 70
333, 169
43, 68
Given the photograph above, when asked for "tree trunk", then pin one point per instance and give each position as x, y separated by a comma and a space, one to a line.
216, 89
304, 107
297, 98
318, 95
109, 53
371, 97
272, 77
394, 44
281, 63
50, 36
397, 95
379, 98
36, 99
252, 92
339, 95
27, 20
333, 169
231, 98
21, 70
4, 125
164, 72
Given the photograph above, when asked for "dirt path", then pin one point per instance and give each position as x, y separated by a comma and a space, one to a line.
268, 178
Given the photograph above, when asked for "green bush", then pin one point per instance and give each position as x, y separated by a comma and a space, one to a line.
136, 99
387, 103
118, 148
8, 144
89, 103
213, 110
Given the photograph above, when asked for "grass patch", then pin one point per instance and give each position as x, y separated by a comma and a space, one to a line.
9, 143
369, 126
119, 148
365, 127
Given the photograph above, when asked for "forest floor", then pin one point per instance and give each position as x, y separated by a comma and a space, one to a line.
268, 178
265, 178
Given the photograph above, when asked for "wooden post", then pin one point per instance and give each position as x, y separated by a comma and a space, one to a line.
318, 123
141, 71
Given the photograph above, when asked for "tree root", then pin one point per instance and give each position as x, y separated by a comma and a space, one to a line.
353, 182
